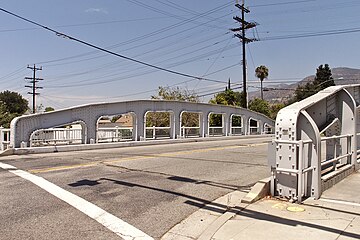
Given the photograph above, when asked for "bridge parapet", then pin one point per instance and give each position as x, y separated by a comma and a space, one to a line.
316, 143
88, 116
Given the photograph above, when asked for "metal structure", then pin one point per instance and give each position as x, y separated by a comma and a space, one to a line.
24, 127
316, 143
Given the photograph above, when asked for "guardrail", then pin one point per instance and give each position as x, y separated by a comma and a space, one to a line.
4, 138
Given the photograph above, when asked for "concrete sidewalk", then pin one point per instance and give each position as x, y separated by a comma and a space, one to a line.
336, 215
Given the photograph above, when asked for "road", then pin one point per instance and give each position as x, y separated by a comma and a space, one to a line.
150, 188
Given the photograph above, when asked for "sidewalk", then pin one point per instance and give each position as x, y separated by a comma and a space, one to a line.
336, 215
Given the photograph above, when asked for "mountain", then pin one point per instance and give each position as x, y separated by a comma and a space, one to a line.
341, 75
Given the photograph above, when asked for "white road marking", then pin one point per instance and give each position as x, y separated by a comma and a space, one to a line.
111, 222
340, 202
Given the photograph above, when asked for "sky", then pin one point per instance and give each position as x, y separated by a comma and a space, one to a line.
187, 38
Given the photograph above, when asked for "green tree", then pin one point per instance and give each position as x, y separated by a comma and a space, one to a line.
261, 73
12, 105
322, 80
260, 106
49, 109
13, 102
275, 108
162, 119
228, 97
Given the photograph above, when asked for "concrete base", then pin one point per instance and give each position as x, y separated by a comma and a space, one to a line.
260, 190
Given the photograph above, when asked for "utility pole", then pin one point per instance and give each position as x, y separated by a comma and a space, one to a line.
244, 26
33, 80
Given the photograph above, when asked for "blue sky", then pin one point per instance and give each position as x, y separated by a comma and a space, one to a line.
187, 36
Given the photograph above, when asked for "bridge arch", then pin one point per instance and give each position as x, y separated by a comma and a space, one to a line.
22, 127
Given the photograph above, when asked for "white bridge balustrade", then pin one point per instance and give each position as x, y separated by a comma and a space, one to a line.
24, 127
4, 138
316, 143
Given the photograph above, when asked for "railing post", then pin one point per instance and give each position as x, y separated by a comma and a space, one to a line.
1, 138
300, 173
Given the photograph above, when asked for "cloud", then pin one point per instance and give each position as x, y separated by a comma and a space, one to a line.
97, 10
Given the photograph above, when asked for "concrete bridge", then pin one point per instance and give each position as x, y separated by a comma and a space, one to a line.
24, 128
316, 140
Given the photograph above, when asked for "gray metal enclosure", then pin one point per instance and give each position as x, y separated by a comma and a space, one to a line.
87, 116
316, 143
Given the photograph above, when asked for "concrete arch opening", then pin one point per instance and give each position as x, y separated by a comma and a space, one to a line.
268, 129
254, 126
115, 128
190, 124
236, 124
67, 134
216, 124
159, 124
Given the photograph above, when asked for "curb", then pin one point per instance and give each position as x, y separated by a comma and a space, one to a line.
82, 147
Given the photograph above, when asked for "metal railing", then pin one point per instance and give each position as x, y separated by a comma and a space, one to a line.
330, 161
4, 138
114, 134
254, 130
56, 136
157, 132
335, 155
190, 131
237, 130
216, 131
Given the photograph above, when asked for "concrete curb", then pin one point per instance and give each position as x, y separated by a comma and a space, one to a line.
257, 192
216, 225
82, 147
260, 190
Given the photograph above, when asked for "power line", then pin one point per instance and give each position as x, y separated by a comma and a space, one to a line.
105, 50
317, 34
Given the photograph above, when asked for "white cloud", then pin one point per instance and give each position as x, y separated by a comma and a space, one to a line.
97, 10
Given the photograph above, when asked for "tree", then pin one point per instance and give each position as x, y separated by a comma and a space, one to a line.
49, 109
161, 119
228, 97
260, 106
176, 94
275, 108
261, 73
12, 105
322, 80
13, 102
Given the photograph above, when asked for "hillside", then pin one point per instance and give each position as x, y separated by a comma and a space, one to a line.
342, 76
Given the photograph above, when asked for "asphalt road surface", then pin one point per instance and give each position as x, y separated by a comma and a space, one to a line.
124, 192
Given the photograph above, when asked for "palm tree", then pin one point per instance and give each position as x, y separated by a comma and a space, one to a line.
261, 73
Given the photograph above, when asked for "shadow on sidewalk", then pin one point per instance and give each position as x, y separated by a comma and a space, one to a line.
221, 208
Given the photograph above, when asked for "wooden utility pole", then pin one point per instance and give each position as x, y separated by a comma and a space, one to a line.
240, 33
33, 80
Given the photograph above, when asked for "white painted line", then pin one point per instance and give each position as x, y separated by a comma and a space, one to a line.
111, 222
7, 166
340, 202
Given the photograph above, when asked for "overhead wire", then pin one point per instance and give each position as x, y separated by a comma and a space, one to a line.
105, 50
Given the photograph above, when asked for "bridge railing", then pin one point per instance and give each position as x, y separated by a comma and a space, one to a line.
4, 138
316, 143
157, 132
56, 136
114, 134
190, 131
